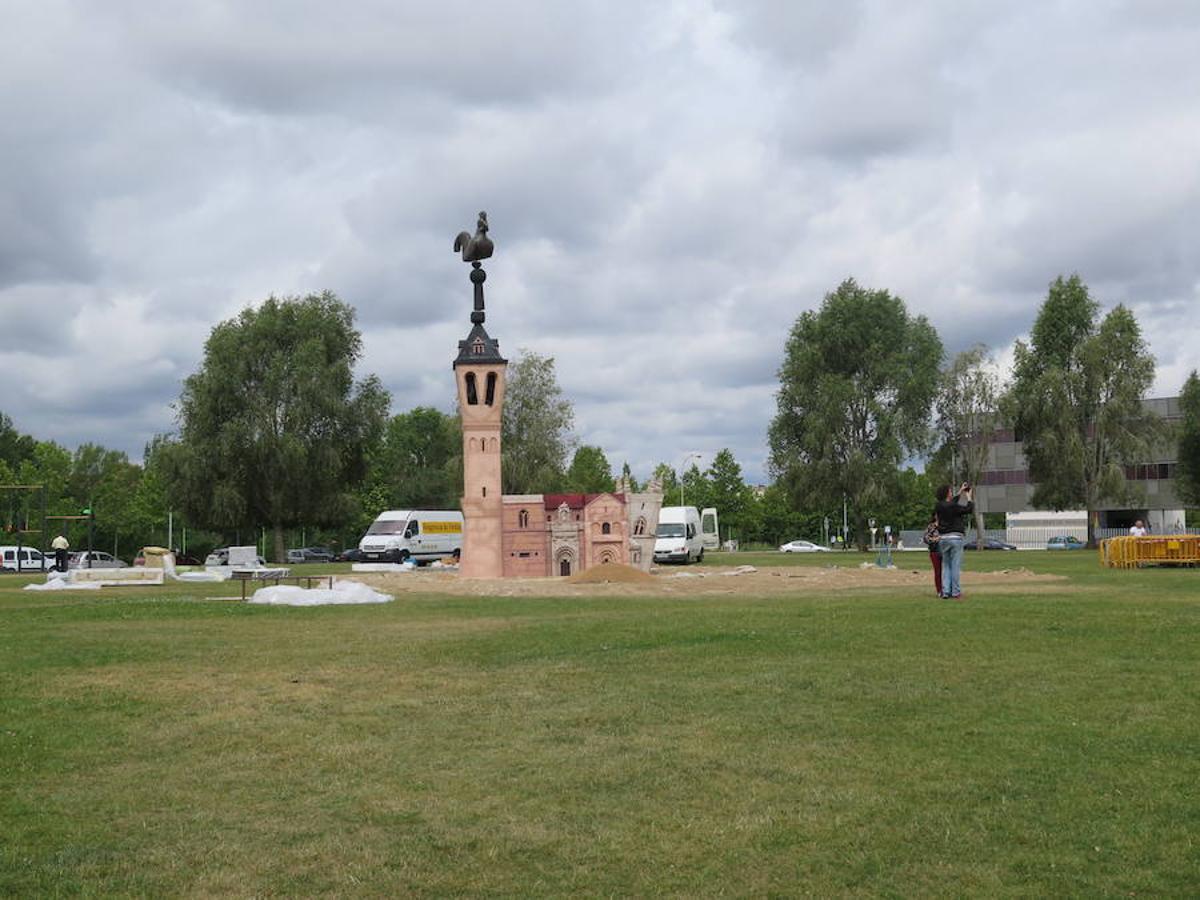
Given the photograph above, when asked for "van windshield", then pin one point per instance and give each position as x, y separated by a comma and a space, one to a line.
669, 530
386, 526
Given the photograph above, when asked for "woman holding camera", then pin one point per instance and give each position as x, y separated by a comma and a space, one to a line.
952, 512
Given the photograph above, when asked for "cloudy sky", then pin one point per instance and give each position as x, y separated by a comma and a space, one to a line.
669, 186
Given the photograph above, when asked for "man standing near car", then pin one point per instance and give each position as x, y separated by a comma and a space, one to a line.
60, 545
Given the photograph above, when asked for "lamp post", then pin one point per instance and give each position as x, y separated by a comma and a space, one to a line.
683, 463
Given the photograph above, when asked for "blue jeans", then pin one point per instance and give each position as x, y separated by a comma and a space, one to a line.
951, 546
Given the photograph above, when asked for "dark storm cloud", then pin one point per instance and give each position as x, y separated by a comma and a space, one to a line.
669, 188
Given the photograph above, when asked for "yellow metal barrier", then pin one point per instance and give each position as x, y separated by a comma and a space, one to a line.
1157, 550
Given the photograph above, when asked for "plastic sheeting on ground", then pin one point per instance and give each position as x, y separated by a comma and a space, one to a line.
341, 592
58, 584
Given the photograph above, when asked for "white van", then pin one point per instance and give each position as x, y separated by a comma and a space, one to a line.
421, 535
25, 559
678, 536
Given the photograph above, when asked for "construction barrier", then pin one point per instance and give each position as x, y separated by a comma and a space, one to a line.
1158, 550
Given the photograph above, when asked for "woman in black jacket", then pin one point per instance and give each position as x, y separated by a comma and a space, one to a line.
952, 513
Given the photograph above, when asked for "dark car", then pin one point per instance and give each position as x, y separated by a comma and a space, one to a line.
989, 544
310, 554
351, 555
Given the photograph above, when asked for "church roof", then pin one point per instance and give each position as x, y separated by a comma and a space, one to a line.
478, 348
575, 501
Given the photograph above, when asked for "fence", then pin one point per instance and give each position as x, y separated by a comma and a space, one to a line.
1126, 552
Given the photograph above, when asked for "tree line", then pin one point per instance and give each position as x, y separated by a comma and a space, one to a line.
275, 433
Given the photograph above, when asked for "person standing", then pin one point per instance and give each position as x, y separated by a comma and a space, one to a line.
952, 512
932, 538
60, 545
1138, 529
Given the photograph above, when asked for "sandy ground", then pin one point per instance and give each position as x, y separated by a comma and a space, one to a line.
760, 581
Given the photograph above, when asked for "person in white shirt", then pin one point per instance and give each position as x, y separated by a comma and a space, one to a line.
60, 545
1138, 529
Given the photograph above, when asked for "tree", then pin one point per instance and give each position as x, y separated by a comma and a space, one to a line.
1187, 469
1076, 401
273, 427
855, 390
536, 427
968, 414
665, 473
728, 493
589, 472
417, 465
15, 447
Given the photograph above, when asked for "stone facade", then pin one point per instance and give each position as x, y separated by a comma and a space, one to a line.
561, 534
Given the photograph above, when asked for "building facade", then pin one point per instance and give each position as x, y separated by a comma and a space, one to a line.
1005, 486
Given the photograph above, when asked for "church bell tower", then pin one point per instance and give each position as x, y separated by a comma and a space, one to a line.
479, 371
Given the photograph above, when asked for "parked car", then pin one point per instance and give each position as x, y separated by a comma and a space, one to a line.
802, 547
989, 544
96, 559
351, 554
310, 554
1065, 542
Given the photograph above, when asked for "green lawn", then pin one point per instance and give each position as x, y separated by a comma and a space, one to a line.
160, 741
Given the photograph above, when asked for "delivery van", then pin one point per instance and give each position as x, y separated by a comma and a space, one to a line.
678, 536
421, 535
25, 559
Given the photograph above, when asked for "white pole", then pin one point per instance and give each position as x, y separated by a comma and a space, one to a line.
170, 530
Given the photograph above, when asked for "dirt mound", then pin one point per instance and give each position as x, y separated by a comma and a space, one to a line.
610, 573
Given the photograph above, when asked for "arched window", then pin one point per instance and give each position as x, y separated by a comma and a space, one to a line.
490, 396
564, 566
523, 519
639, 527
493, 445
472, 445
472, 391
606, 528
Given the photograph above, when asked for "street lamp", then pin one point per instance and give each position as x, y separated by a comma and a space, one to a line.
683, 463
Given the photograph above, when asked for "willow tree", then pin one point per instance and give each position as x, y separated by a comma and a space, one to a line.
274, 428
856, 386
1077, 401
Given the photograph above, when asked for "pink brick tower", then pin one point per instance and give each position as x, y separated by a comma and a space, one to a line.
480, 373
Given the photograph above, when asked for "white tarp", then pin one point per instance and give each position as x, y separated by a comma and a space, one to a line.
58, 584
341, 592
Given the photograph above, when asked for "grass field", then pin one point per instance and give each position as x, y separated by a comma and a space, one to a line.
162, 741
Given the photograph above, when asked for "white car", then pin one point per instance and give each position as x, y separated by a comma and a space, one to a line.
802, 547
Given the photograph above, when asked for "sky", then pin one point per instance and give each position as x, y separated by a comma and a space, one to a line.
669, 186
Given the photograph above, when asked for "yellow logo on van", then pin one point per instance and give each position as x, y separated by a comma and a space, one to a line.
442, 527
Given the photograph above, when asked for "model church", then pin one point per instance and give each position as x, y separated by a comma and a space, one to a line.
530, 534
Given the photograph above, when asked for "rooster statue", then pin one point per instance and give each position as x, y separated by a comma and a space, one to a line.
475, 248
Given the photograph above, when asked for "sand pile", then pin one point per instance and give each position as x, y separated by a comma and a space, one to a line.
610, 573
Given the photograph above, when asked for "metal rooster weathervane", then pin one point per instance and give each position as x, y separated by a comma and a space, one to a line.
475, 248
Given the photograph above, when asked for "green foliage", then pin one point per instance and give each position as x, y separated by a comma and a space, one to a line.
417, 465
1187, 469
536, 427
589, 472
1077, 401
665, 473
968, 414
273, 427
729, 493
15, 448
857, 383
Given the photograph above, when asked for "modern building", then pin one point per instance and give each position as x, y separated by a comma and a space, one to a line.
1005, 486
